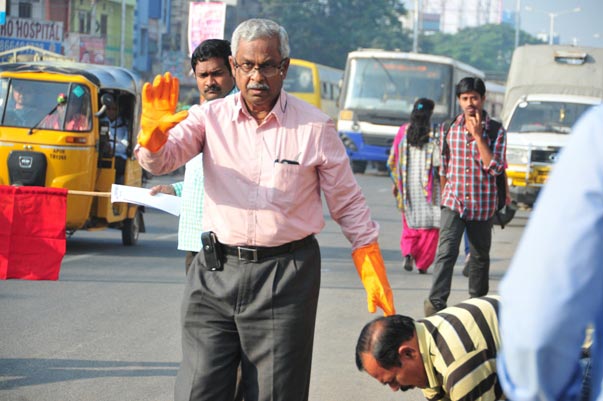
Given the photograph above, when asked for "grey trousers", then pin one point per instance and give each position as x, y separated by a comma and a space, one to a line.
188, 260
479, 234
261, 315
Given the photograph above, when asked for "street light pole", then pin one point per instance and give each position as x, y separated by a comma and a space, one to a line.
552, 17
415, 28
517, 21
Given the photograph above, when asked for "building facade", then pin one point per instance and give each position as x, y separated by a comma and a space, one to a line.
148, 36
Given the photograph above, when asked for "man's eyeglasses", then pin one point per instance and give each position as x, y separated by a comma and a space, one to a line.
267, 70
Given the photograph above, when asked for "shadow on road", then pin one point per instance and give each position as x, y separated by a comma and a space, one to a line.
22, 372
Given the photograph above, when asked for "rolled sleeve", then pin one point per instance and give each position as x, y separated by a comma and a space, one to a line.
497, 164
345, 200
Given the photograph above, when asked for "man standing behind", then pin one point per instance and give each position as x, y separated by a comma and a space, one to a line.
450, 355
214, 77
470, 164
267, 157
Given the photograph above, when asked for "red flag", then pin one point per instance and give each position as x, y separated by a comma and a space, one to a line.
32, 232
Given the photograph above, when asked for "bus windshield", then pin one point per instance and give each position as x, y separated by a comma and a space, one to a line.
299, 79
556, 117
393, 85
46, 105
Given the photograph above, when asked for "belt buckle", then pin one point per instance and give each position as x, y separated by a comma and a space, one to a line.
251, 251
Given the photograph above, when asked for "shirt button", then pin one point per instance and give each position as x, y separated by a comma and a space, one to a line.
467, 197
466, 170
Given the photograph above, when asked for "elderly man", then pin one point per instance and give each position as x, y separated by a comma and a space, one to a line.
267, 157
450, 355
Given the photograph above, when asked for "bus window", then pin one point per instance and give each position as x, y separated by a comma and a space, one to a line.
299, 79
393, 85
300, 82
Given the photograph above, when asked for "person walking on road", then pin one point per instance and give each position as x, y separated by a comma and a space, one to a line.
413, 164
268, 156
469, 166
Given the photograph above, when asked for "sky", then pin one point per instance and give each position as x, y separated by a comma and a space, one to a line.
583, 27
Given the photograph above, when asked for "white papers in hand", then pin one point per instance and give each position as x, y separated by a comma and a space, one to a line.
142, 196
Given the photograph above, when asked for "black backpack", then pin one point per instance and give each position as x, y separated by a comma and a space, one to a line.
501, 179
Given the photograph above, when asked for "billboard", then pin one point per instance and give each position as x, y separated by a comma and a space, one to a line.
205, 21
19, 32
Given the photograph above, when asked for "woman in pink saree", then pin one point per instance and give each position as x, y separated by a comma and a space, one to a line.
413, 163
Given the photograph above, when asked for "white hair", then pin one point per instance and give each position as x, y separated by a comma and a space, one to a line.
257, 28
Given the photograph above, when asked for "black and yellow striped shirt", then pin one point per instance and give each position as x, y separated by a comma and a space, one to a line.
459, 346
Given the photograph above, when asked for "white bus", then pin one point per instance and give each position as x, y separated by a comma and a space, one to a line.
378, 92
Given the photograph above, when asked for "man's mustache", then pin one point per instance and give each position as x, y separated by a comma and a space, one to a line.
258, 86
212, 88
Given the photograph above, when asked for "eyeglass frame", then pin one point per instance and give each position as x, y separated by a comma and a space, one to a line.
261, 69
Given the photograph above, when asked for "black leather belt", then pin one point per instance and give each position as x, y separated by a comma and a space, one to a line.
257, 253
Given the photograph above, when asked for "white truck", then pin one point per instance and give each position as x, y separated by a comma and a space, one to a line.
547, 90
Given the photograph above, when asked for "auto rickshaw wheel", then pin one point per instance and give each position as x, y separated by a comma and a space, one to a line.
131, 229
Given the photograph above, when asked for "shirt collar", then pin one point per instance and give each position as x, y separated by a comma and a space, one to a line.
277, 112
425, 347
460, 121
233, 91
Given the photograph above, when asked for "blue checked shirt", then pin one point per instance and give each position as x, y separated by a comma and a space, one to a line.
191, 210
470, 186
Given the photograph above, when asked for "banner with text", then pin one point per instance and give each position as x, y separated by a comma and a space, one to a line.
205, 21
19, 32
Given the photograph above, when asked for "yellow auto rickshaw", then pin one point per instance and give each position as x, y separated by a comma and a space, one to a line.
55, 131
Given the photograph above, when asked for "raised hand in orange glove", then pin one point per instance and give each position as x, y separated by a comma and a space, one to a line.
370, 266
159, 102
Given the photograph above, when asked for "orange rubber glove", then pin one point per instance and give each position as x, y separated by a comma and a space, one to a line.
370, 266
159, 102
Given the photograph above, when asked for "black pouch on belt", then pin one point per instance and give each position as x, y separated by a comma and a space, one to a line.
211, 251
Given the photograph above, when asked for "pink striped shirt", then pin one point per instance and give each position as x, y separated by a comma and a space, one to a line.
263, 182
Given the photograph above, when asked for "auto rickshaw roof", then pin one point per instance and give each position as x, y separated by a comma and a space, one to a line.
103, 76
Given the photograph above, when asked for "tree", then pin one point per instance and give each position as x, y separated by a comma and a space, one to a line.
487, 47
325, 31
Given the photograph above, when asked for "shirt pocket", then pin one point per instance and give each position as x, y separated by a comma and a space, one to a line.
285, 185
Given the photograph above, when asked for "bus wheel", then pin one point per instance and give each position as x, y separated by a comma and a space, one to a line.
359, 166
131, 229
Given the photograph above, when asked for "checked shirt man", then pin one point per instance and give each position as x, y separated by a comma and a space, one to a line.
469, 166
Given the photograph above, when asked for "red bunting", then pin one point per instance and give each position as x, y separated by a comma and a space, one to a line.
32, 232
